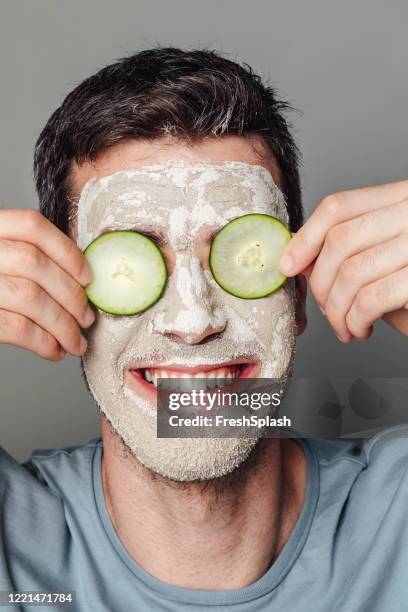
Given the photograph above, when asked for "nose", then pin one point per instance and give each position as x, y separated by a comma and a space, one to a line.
190, 312
210, 333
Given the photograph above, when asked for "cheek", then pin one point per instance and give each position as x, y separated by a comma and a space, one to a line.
109, 335
269, 316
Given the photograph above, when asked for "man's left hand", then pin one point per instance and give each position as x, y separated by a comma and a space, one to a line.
354, 250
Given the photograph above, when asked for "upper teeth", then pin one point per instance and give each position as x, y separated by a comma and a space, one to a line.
171, 379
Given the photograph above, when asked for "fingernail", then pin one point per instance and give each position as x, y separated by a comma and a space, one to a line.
89, 317
345, 339
286, 264
83, 344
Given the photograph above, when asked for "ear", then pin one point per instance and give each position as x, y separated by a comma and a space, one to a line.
301, 292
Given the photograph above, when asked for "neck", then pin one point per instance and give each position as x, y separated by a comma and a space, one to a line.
215, 535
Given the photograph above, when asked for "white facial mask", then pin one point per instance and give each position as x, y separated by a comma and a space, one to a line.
181, 201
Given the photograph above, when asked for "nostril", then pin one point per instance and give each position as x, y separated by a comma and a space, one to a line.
194, 338
211, 337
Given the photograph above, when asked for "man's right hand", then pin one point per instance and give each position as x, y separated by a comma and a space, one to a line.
42, 278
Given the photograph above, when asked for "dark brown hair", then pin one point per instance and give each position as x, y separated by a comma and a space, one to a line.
188, 94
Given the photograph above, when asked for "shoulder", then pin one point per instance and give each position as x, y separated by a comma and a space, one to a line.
43, 472
386, 457
381, 451
392, 442
363, 484
375, 469
35, 500
64, 469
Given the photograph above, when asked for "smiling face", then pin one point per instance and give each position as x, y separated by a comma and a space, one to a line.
196, 328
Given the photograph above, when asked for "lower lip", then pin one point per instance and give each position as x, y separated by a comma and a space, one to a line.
135, 381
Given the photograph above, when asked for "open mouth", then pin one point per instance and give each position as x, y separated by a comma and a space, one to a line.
146, 380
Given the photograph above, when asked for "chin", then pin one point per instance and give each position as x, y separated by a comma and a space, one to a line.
189, 459
182, 459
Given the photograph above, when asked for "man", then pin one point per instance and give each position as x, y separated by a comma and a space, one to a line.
134, 522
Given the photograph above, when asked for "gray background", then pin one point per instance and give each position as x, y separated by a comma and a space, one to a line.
344, 65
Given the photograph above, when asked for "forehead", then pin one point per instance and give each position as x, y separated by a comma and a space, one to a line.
177, 199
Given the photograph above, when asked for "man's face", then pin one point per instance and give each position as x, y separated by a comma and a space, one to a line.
196, 328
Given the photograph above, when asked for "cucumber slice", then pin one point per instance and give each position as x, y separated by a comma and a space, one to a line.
245, 253
129, 272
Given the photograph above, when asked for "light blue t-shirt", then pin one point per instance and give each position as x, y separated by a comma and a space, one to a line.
347, 553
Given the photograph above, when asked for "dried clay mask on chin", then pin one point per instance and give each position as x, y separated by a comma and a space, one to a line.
180, 201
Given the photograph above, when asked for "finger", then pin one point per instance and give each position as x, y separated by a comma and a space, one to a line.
374, 300
352, 237
398, 319
335, 209
25, 260
28, 299
308, 271
20, 331
31, 226
359, 271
